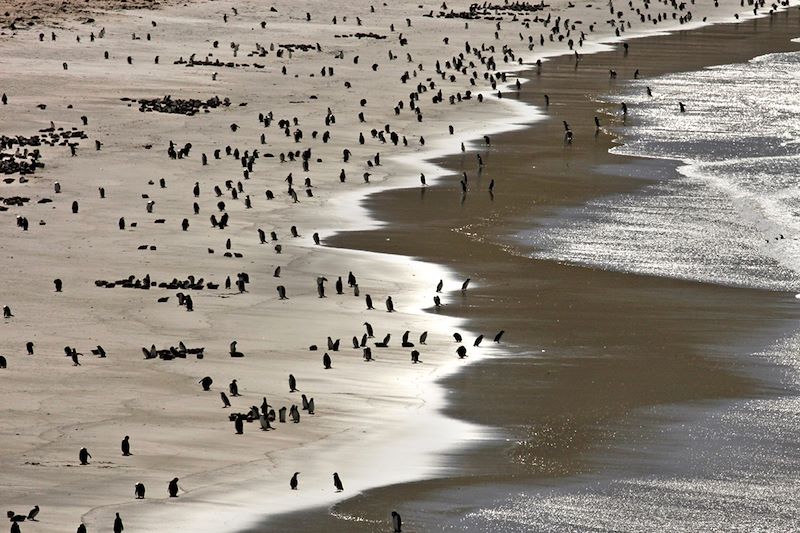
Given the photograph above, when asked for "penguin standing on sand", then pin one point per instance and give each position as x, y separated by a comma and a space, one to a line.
118, 527
139, 491
225, 401
206, 383
126, 446
173, 488
84, 456
337, 482
326, 361
233, 388
293, 481
292, 383
389, 305
238, 424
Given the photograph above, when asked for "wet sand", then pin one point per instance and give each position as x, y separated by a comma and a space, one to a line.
596, 352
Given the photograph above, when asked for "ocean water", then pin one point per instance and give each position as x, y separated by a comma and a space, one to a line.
726, 467
733, 216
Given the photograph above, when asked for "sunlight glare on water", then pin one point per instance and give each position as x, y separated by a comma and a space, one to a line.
733, 216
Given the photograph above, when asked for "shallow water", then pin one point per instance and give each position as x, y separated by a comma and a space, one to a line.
733, 217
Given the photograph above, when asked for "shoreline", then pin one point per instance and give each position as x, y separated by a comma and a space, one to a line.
157, 516
757, 387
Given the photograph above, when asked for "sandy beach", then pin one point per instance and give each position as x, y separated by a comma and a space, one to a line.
376, 423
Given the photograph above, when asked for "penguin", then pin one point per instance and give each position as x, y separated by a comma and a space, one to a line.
282, 292
351, 279
405, 342
462, 352
84, 456
282, 415
478, 341
264, 421
397, 523
499, 336
118, 526
683, 107
370, 332
437, 301
316, 238
305, 402
14, 525
58, 284
225, 401
423, 338
439, 286
389, 305
233, 388
368, 299
457, 336
238, 424
33, 513
311, 407
415, 357
326, 361
125, 446
292, 383
172, 488
294, 412
293, 481
81, 529
339, 286
385, 342
465, 285
7, 312
29, 347
206, 383
3, 362
139, 491
337, 482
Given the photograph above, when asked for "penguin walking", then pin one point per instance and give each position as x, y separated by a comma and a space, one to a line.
172, 488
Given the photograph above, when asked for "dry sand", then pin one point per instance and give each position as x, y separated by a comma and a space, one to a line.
367, 413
